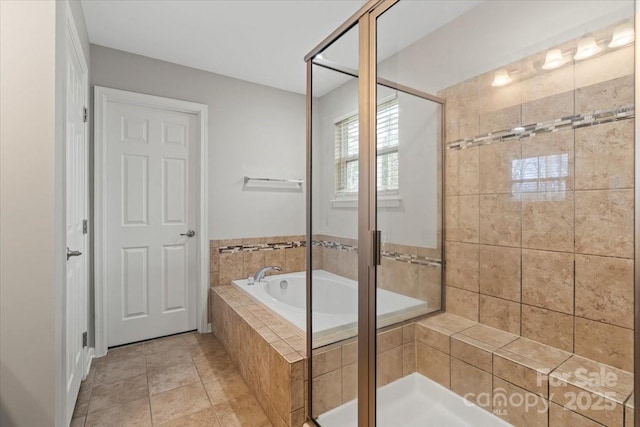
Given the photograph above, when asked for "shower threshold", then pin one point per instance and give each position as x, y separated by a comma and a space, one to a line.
415, 401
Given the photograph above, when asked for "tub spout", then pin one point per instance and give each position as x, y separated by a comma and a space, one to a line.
259, 276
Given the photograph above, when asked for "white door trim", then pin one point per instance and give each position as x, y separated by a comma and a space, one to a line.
102, 96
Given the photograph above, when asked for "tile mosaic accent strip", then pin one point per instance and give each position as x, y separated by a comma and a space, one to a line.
396, 256
233, 249
528, 131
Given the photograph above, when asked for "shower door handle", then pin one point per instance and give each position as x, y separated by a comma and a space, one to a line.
377, 247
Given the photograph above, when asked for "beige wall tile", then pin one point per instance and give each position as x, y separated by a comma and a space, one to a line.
604, 343
462, 171
294, 259
504, 118
605, 96
604, 156
496, 163
564, 395
389, 366
471, 383
548, 327
500, 272
561, 417
604, 289
435, 331
547, 83
462, 268
500, 314
275, 257
472, 352
463, 303
548, 108
461, 222
327, 392
231, 268
603, 68
554, 147
433, 364
326, 361
501, 220
629, 414
506, 404
349, 382
389, 339
408, 358
252, 262
547, 280
547, 221
604, 223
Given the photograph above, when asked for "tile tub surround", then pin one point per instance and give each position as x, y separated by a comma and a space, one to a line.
271, 356
496, 370
408, 270
539, 204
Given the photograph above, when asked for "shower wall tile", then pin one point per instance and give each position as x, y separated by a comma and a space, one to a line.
461, 223
604, 223
605, 68
501, 220
604, 343
500, 272
389, 366
548, 84
500, 313
548, 327
472, 383
604, 289
505, 118
496, 166
547, 221
231, 268
607, 95
548, 108
462, 303
534, 414
604, 156
462, 171
547, 280
463, 266
560, 417
557, 148
433, 364
294, 259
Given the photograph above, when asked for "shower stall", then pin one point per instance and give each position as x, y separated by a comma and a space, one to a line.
470, 215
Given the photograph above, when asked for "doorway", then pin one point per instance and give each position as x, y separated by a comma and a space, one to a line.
151, 234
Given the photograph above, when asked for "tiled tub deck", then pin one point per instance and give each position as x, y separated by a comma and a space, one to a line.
271, 356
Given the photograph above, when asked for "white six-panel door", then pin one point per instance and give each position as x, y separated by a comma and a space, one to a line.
151, 198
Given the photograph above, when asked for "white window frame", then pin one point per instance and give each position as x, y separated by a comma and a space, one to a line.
343, 198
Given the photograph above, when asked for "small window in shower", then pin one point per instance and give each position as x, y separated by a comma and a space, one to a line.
346, 149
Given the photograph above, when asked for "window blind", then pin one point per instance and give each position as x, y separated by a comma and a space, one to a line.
346, 150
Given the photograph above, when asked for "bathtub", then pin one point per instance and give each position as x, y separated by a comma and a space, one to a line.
335, 303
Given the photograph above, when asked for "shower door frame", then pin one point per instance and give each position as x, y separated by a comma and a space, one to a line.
368, 240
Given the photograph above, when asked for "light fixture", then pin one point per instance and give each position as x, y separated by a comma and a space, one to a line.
587, 47
501, 78
622, 35
319, 56
554, 59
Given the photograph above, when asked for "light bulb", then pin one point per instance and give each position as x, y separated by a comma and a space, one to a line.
554, 59
587, 47
622, 35
501, 78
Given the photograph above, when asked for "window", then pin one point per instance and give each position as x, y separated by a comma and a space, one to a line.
540, 173
387, 142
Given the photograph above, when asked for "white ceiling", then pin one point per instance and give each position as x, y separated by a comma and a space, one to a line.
261, 41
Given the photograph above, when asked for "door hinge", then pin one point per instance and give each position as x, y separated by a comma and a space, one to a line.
85, 117
84, 339
85, 226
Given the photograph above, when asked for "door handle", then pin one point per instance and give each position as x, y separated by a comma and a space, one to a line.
189, 233
71, 253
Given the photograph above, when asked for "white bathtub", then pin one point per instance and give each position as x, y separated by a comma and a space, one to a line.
335, 303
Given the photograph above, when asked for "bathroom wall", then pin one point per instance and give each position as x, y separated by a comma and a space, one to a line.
254, 130
539, 221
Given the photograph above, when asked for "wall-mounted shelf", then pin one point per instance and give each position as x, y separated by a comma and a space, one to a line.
274, 183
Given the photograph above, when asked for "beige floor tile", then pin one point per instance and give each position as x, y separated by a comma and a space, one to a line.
165, 344
211, 368
220, 390
120, 369
77, 422
105, 396
131, 414
242, 412
164, 359
172, 377
179, 402
205, 418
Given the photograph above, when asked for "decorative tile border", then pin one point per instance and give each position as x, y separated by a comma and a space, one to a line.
528, 131
395, 256
233, 249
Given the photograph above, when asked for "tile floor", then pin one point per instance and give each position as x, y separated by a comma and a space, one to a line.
182, 380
